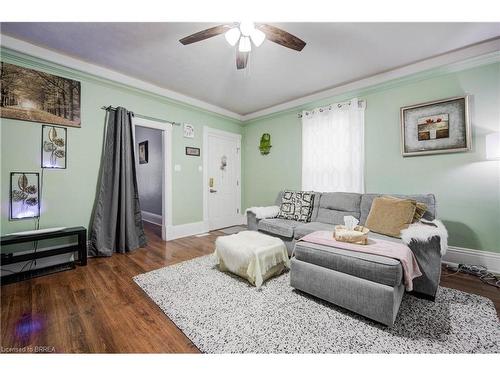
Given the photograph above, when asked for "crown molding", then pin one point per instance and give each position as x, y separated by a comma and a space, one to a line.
459, 59
108, 74
463, 58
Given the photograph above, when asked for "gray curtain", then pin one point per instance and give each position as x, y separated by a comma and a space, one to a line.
117, 223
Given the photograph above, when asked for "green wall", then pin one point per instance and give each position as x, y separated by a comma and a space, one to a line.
467, 186
68, 195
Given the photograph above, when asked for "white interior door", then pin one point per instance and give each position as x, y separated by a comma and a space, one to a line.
223, 179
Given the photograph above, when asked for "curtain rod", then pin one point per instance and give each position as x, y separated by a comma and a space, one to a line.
360, 103
111, 108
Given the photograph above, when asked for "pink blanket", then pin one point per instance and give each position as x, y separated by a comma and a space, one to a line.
384, 248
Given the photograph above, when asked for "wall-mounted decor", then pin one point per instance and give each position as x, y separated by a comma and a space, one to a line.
265, 144
188, 131
24, 195
192, 151
223, 163
143, 152
436, 127
54, 147
31, 95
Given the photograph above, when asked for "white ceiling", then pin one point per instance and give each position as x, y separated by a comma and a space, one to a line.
336, 53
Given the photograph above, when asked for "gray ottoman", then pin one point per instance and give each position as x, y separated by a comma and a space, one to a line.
370, 285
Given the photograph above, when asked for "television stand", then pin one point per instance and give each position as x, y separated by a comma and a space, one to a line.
11, 258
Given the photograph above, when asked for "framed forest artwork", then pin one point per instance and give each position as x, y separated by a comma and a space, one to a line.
31, 95
437, 127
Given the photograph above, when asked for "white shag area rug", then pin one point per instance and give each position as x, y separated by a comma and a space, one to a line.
221, 313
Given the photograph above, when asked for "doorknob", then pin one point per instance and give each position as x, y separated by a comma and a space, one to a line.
213, 191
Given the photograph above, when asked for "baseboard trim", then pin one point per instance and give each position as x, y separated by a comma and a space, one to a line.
190, 229
461, 255
244, 219
152, 218
185, 230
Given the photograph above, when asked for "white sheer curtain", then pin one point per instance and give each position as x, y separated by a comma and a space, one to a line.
333, 147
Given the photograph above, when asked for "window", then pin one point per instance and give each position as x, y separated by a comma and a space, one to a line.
333, 148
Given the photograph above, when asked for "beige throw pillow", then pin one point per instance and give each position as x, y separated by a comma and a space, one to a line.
419, 211
420, 208
389, 215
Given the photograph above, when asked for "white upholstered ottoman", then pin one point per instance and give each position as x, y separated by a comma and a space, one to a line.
252, 255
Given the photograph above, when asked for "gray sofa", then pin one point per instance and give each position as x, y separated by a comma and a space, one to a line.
367, 284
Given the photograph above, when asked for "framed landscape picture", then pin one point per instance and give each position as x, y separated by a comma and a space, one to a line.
436, 127
31, 95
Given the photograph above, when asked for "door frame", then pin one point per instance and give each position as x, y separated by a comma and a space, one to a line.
166, 198
233, 136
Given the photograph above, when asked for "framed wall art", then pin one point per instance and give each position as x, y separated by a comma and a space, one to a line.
54, 148
24, 195
188, 131
192, 151
143, 152
437, 127
31, 95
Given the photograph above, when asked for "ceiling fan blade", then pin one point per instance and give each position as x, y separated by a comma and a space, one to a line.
276, 35
241, 60
205, 34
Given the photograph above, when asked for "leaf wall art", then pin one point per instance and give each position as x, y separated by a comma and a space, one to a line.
53, 147
24, 195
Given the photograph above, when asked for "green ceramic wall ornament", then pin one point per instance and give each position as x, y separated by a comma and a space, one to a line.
265, 144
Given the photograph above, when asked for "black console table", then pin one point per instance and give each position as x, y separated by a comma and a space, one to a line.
11, 258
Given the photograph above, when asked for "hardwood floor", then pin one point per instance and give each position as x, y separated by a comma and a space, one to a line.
98, 308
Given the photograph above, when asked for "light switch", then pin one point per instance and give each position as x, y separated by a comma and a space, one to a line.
200, 168
177, 167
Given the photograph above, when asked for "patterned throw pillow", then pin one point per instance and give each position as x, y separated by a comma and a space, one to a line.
296, 205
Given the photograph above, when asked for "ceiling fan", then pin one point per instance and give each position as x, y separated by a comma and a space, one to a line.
247, 33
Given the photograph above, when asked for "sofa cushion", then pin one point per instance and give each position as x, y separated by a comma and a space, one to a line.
317, 197
379, 269
428, 199
389, 215
304, 229
280, 227
296, 205
334, 206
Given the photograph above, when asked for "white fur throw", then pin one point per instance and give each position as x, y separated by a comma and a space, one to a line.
424, 231
264, 212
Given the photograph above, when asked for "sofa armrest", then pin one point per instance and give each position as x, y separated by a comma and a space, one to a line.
254, 214
428, 255
424, 232
252, 221
428, 240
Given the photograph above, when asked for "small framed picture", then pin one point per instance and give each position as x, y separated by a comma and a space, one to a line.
143, 152
437, 127
192, 151
24, 195
54, 148
188, 131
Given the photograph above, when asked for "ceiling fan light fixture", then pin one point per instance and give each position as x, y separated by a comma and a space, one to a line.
245, 45
232, 36
257, 37
247, 28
